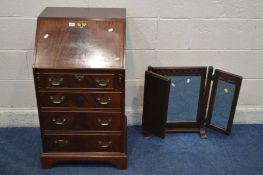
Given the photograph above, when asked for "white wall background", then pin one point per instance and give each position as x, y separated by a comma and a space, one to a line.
227, 34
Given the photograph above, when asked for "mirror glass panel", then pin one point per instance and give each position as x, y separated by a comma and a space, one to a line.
183, 99
222, 104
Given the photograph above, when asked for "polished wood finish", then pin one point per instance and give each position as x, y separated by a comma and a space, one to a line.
79, 77
83, 121
82, 143
79, 43
77, 81
80, 99
118, 159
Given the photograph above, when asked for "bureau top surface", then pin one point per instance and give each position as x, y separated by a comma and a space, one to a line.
69, 38
83, 13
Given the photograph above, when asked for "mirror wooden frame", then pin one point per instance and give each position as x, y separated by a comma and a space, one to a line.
154, 118
184, 126
230, 78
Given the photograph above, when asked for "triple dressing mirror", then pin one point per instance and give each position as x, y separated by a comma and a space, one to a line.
176, 100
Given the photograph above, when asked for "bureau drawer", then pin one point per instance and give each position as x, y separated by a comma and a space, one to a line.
80, 100
82, 143
80, 121
79, 81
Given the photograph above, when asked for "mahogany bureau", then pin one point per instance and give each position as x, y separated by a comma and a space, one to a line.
79, 74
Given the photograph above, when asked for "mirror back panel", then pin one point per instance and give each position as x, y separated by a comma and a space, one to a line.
155, 103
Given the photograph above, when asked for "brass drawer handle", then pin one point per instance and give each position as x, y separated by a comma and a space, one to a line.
104, 100
57, 100
79, 77
61, 143
104, 122
104, 144
59, 121
81, 24
56, 81
102, 82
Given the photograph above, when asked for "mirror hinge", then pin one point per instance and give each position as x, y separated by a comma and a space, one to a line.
213, 77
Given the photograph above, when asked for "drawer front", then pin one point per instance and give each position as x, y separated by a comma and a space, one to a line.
81, 100
82, 143
79, 81
80, 121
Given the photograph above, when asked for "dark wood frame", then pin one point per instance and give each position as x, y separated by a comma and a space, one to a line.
149, 113
198, 125
230, 78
